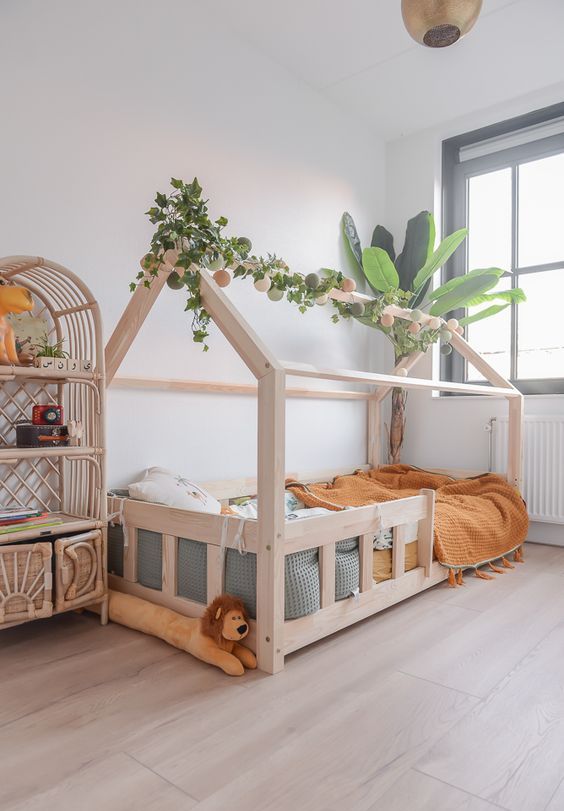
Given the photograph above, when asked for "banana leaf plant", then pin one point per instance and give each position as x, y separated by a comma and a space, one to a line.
405, 279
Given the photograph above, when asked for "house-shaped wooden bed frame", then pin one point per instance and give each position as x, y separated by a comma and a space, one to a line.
272, 537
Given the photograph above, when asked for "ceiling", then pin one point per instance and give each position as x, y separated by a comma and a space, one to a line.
359, 55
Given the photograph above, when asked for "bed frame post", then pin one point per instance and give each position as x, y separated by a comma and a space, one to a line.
270, 557
374, 455
515, 441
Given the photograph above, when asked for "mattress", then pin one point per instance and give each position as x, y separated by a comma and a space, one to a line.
382, 561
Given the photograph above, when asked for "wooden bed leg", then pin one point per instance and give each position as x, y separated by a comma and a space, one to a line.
425, 533
270, 557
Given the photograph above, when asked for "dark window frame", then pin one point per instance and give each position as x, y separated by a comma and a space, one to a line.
455, 175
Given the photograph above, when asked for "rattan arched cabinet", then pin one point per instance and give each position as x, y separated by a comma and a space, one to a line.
57, 561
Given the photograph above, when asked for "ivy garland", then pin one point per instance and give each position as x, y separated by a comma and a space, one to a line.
186, 240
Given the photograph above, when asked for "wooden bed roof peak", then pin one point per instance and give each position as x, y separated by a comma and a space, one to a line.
264, 365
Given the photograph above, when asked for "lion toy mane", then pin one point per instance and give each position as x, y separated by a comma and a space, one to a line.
214, 638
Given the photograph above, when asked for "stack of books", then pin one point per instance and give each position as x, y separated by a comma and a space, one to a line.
23, 519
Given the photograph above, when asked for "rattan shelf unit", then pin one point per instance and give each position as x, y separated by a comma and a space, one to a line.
51, 569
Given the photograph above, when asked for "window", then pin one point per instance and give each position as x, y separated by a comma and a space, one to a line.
506, 184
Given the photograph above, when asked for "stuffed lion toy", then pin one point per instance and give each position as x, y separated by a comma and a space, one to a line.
214, 638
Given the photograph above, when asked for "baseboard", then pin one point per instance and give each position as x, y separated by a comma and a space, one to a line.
540, 532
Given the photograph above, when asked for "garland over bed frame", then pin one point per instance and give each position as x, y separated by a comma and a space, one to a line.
271, 537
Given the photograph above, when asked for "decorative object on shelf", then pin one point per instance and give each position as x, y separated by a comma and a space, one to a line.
47, 414
29, 331
404, 280
51, 355
214, 638
13, 299
43, 435
75, 431
439, 23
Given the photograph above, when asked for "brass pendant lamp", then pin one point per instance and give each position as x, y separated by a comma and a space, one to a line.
438, 23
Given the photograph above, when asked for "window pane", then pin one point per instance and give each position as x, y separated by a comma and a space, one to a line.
540, 331
491, 337
541, 211
489, 220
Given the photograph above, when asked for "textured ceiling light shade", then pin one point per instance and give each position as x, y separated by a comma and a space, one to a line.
438, 23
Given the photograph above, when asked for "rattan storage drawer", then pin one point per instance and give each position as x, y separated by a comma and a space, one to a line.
79, 573
25, 582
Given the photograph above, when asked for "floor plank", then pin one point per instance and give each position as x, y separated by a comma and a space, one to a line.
450, 700
115, 783
345, 759
416, 790
495, 640
510, 748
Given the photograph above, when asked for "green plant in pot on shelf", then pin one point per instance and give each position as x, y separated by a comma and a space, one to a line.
405, 280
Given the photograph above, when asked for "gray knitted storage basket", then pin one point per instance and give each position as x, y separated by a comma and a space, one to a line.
347, 568
301, 590
192, 570
150, 559
115, 549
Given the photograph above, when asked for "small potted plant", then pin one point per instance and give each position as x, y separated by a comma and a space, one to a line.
51, 355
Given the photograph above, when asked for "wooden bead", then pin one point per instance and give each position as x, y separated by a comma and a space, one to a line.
452, 324
149, 262
171, 257
434, 323
263, 285
414, 328
222, 278
402, 372
387, 320
459, 330
416, 315
322, 299
348, 285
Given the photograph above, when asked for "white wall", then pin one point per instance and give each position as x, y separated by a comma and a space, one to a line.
103, 101
449, 432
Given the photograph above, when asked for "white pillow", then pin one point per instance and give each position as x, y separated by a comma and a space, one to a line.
162, 486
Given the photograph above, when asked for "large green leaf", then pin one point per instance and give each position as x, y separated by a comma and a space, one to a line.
381, 238
468, 289
439, 257
486, 313
452, 284
515, 295
418, 246
351, 234
379, 269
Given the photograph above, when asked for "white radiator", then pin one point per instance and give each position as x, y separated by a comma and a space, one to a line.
543, 464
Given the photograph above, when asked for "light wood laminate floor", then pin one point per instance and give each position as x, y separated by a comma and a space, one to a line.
453, 700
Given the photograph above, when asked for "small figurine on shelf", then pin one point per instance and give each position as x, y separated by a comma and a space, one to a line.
12, 300
76, 432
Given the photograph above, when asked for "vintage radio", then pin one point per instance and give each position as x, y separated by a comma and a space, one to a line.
47, 415
29, 435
